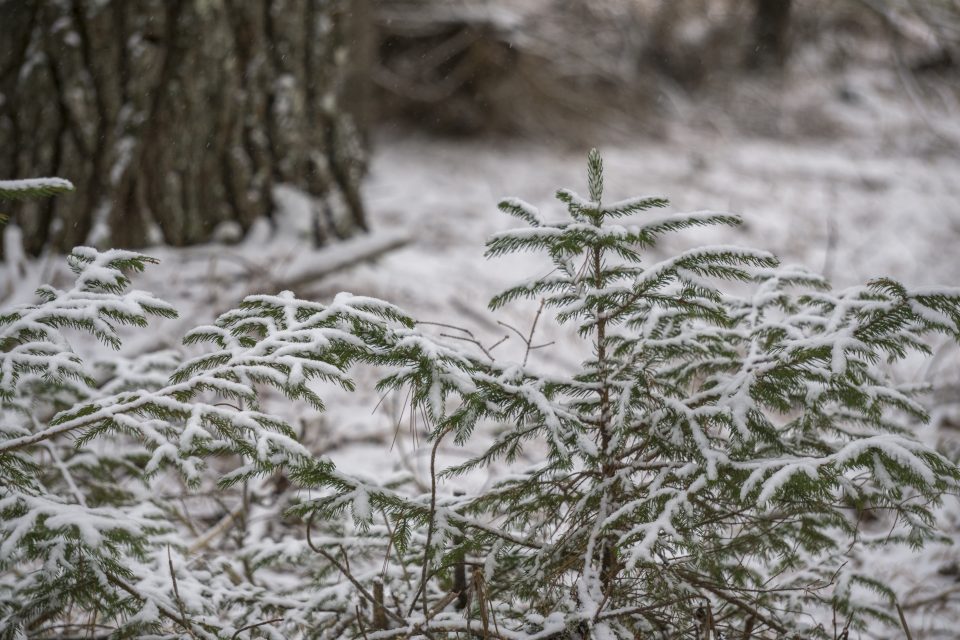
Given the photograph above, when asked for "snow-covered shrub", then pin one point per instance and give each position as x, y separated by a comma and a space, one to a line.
704, 471
76, 518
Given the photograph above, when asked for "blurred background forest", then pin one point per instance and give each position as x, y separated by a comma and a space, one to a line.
176, 119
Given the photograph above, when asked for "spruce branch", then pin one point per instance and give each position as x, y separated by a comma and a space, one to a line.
33, 188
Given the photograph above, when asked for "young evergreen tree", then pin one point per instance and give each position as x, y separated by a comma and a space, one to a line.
701, 474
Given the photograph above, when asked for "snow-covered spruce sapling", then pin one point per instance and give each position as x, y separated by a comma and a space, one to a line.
701, 473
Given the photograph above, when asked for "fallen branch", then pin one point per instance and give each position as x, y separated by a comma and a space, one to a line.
215, 531
320, 264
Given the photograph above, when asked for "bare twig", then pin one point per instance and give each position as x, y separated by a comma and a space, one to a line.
467, 337
176, 594
163, 609
734, 600
442, 604
460, 580
533, 328
903, 621
941, 597
363, 627
425, 571
216, 530
254, 626
64, 471
346, 572
379, 610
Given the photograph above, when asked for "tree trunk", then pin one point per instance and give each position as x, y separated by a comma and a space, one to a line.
173, 117
770, 44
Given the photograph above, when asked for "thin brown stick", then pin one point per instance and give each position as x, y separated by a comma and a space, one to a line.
442, 604
460, 581
161, 608
346, 573
717, 591
533, 328
467, 337
903, 621
379, 610
213, 532
363, 628
481, 592
176, 594
254, 626
425, 570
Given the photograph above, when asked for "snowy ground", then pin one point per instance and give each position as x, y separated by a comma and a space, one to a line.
853, 207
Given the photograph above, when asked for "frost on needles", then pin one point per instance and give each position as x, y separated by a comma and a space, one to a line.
703, 472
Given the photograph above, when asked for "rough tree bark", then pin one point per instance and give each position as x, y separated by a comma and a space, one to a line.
172, 117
